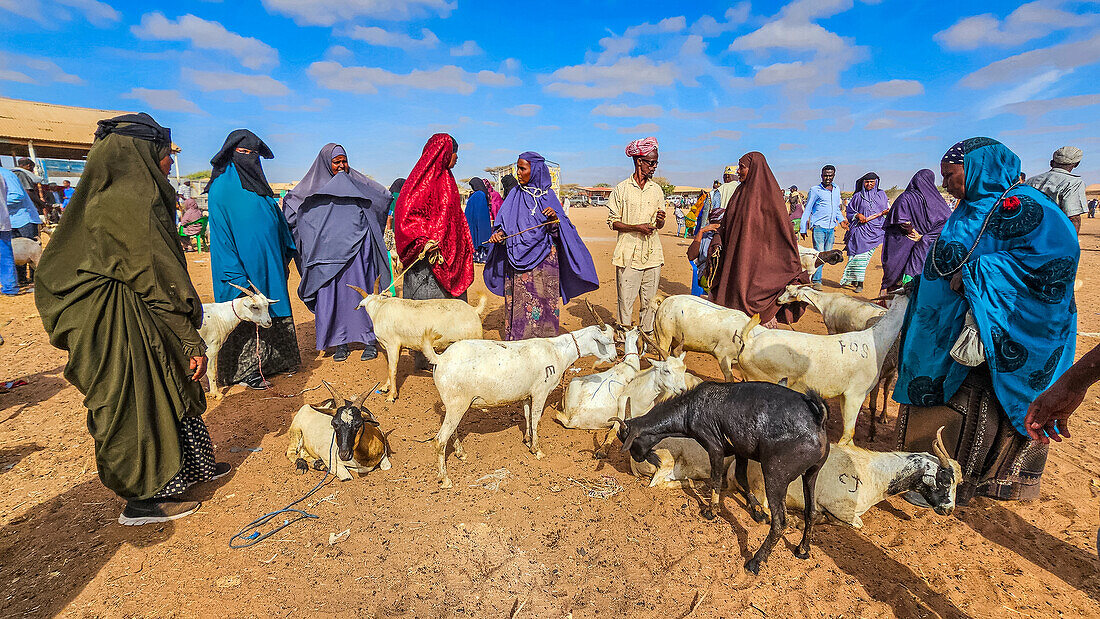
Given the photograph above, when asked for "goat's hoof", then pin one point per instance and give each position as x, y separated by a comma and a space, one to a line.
759, 515
708, 514
461, 456
446, 483
802, 554
599, 455
319, 465
539, 455
385, 389
300, 466
391, 398
753, 565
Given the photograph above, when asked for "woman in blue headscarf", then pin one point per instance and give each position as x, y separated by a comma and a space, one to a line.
532, 262
1007, 256
478, 218
865, 218
250, 245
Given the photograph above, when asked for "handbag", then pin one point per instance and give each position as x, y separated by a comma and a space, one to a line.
968, 349
706, 277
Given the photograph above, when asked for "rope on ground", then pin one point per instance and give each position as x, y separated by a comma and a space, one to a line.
603, 488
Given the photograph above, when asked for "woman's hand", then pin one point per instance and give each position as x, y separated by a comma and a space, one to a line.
198, 364
549, 212
957, 282
711, 228
914, 236
1048, 416
498, 237
861, 218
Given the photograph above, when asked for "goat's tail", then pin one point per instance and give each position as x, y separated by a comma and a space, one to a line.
427, 346
817, 407
482, 301
657, 300
746, 331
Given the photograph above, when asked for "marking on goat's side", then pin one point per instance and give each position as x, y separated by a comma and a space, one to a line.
550, 371
862, 350
856, 479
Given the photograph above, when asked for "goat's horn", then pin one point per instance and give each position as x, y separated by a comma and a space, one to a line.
618, 420
657, 349
594, 314
253, 287
359, 290
243, 289
940, 450
336, 397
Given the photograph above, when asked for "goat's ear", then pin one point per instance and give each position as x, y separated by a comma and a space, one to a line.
327, 407
782, 382
372, 421
629, 440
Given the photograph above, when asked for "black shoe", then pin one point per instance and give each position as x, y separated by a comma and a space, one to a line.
257, 382
858, 287
221, 469
370, 352
341, 353
150, 511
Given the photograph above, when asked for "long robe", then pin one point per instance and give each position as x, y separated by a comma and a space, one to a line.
113, 290
922, 207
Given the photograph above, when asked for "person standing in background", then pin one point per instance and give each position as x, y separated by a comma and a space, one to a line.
1092, 208
866, 211
1062, 186
9, 281
821, 216
795, 207
479, 219
24, 218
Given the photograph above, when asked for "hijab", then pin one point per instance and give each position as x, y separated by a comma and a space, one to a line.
430, 209
248, 166
478, 217
509, 183
526, 249
922, 207
495, 199
865, 237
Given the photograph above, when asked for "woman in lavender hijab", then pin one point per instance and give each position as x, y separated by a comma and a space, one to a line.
912, 227
865, 218
337, 216
532, 264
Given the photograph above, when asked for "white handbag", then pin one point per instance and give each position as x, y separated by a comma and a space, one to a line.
968, 349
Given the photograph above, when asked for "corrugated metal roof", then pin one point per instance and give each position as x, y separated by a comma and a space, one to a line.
47, 123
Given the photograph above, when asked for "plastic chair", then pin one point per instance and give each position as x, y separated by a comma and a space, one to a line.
198, 237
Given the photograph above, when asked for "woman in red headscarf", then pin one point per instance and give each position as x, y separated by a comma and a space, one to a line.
759, 255
430, 229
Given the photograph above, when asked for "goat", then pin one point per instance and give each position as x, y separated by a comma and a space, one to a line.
686, 322
845, 365
344, 426
26, 251
494, 373
590, 400
781, 428
810, 259
219, 320
401, 323
852, 480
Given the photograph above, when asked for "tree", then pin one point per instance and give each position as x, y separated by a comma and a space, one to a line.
666, 186
194, 176
601, 185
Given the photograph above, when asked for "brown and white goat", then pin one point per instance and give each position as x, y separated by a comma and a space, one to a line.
337, 435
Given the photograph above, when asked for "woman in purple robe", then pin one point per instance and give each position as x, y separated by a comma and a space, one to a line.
531, 265
912, 227
337, 216
865, 211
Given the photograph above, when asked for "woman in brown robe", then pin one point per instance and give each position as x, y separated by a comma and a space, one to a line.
759, 256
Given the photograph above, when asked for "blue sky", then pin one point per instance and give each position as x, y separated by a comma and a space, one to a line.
877, 85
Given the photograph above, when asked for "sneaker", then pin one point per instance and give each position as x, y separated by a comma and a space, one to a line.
370, 352
858, 288
151, 511
221, 469
341, 353
257, 382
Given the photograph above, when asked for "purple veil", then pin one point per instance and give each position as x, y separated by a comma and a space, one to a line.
522, 209
922, 207
862, 238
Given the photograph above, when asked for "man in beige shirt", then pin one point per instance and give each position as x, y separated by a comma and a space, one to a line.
637, 212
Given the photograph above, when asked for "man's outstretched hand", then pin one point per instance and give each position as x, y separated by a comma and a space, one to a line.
1048, 416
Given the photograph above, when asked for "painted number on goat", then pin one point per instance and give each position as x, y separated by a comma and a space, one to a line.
855, 482
550, 371
855, 348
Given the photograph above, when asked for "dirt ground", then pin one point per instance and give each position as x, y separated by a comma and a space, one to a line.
537, 541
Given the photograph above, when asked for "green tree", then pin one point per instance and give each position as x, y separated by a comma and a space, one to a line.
666, 186
194, 176
601, 185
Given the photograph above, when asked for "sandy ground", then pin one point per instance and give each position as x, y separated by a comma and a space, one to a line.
417, 551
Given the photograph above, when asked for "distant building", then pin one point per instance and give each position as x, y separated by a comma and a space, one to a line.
597, 196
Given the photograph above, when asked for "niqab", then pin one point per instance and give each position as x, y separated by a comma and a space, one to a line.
248, 166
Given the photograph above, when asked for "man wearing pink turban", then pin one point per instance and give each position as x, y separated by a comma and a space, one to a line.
637, 212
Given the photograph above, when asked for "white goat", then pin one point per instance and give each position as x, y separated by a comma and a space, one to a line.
26, 251
845, 365
493, 373
810, 259
853, 480
687, 322
591, 400
401, 323
219, 320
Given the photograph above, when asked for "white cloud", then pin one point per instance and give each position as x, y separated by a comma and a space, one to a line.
384, 38
316, 105
708, 26
729, 114
510, 64
468, 48
626, 75
327, 13
786, 72
646, 128
1065, 56
621, 110
719, 134
548, 128
786, 146
203, 34
338, 51
1040, 107
525, 109
367, 80
96, 12
786, 35
908, 119
891, 89
32, 70
1029, 21
665, 26
166, 100
255, 85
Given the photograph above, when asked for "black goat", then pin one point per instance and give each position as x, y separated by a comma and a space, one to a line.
782, 429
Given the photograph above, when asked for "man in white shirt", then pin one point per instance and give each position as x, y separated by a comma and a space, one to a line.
1061, 185
725, 190
636, 206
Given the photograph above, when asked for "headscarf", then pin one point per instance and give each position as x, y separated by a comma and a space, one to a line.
641, 147
191, 214
526, 249
1017, 255
479, 185
331, 216
759, 254
862, 238
495, 199
140, 126
430, 209
396, 185
508, 183
477, 214
922, 207
248, 166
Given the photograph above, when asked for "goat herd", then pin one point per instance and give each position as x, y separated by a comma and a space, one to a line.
770, 430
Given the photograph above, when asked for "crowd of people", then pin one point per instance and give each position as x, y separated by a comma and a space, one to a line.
113, 288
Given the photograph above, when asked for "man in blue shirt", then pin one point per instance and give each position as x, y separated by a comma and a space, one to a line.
823, 214
8, 283
23, 213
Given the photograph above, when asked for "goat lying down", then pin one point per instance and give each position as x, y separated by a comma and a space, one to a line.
812, 258
686, 322
781, 428
493, 373
401, 323
219, 320
337, 435
590, 400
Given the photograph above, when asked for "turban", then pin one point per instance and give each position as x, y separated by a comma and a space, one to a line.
641, 148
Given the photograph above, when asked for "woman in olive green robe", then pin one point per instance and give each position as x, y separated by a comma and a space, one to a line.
113, 290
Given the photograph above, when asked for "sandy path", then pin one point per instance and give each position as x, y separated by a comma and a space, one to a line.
417, 551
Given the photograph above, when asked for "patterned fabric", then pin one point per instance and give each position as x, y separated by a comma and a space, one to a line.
856, 269
531, 300
419, 282
642, 147
237, 360
198, 457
